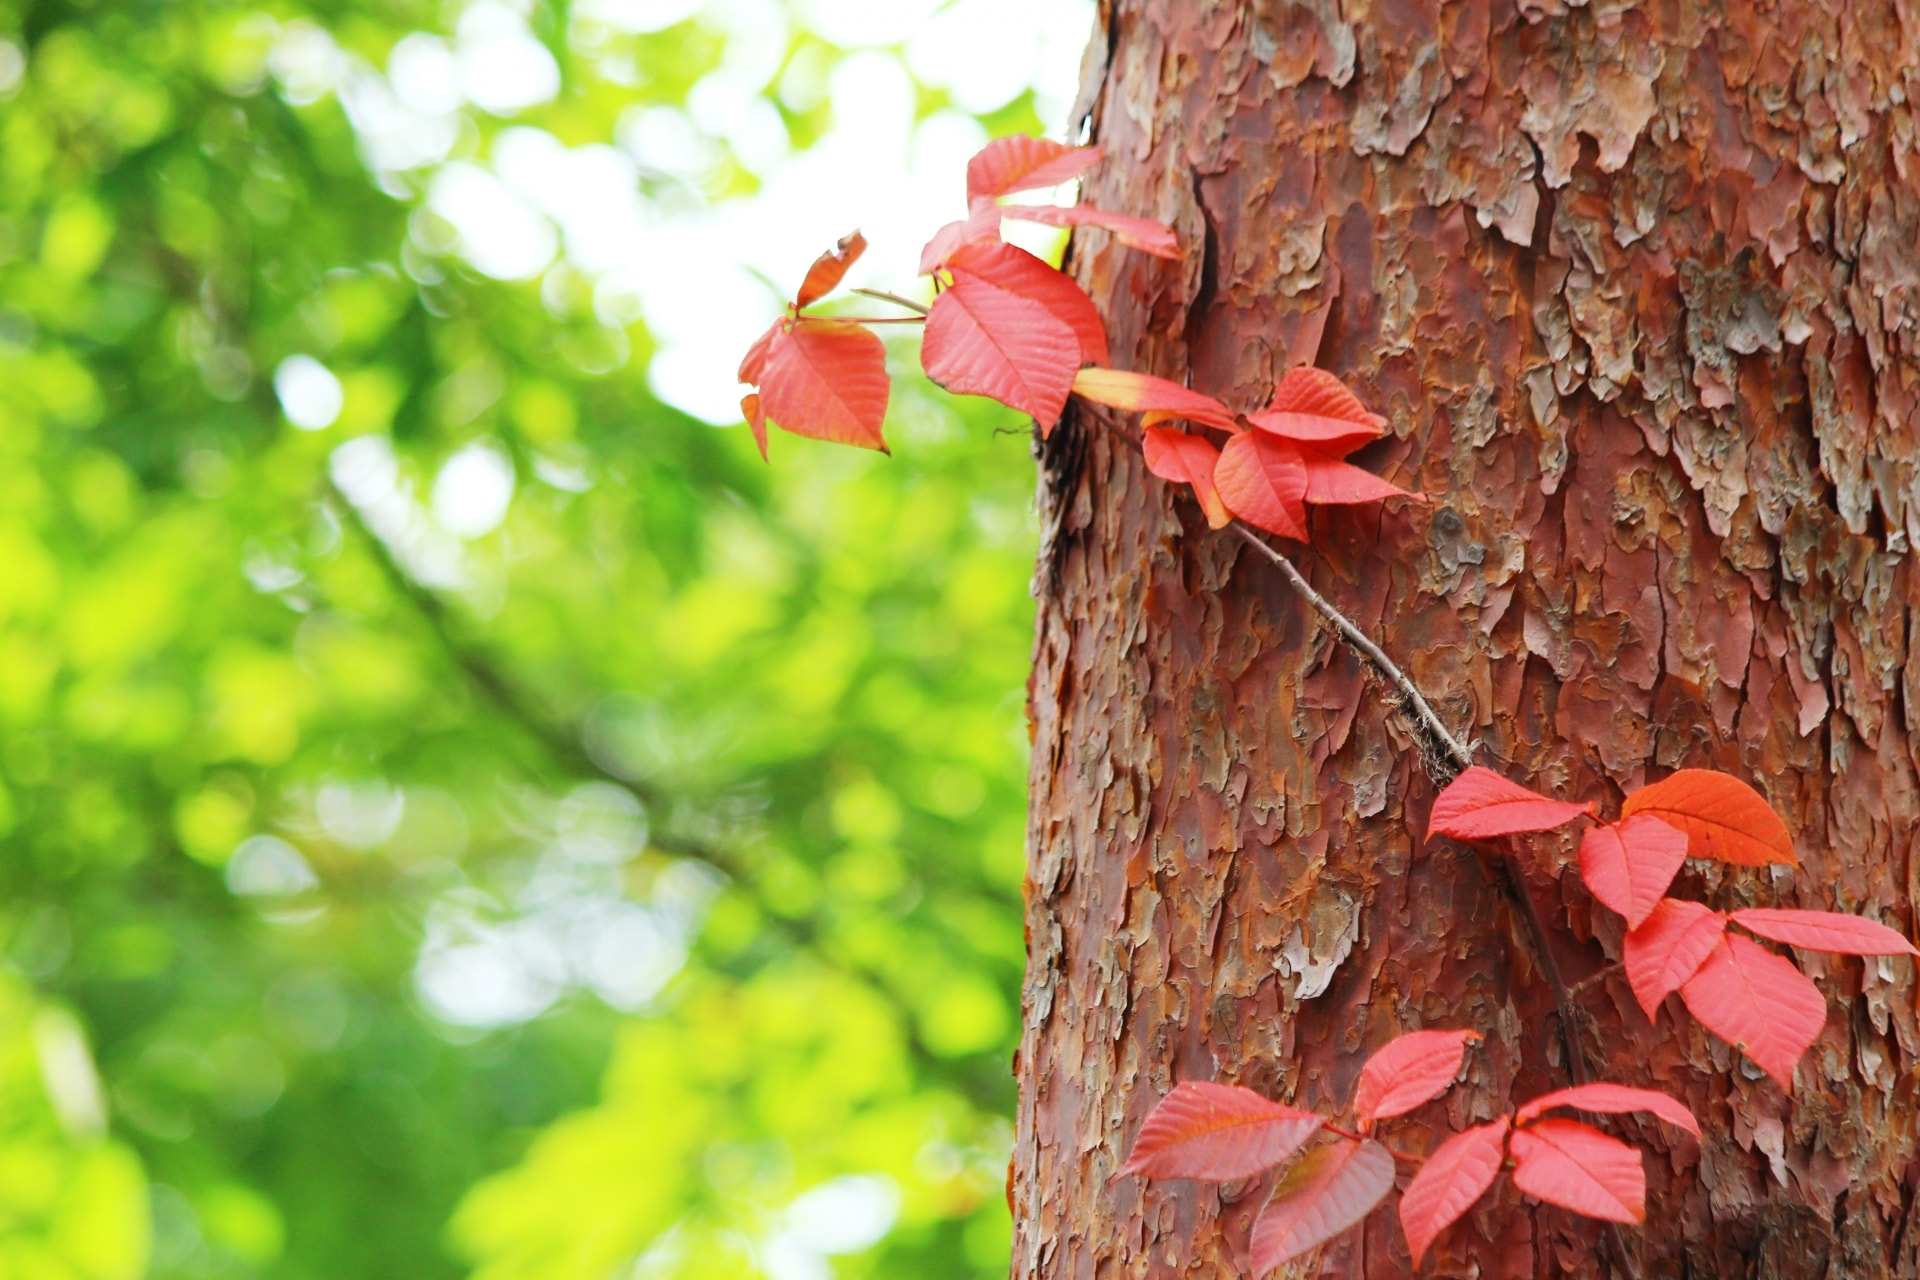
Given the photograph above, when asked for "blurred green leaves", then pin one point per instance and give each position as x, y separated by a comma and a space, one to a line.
482, 819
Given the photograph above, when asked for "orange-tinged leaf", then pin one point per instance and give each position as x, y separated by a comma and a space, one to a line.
1566, 1163
1328, 1190
1143, 234
1142, 392
1759, 1003
1825, 931
1217, 1133
1012, 268
1264, 482
1453, 1177
1668, 948
1628, 865
1723, 817
827, 379
1315, 391
829, 269
754, 364
983, 223
985, 340
1413, 1069
1020, 163
756, 420
1480, 804
1186, 459
1613, 1100
1331, 482
1334, 437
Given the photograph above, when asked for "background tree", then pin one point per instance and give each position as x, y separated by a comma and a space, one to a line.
1635, 285
428, 757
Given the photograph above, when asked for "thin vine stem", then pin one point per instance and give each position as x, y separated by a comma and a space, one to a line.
894, 298
1428, 719
1361, 643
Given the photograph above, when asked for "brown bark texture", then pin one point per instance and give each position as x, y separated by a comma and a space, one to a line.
1637, 284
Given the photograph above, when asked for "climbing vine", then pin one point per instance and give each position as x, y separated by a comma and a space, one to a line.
1005, 324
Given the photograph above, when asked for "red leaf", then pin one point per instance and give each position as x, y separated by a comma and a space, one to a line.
1134, 392
1184, 459
756, 420
1566, 1163
1759, 1003
1666, 950
1327, 1191
1264, 482
1629, 865
753, 365
1451, 1180
1217, 1133
1408, 1071
1480, 804
985, 340
829, 269
827, 379
1317, 392
1335, 437
1143, 234
981, 224
1825, 931
1613, 1100
1006, 165
1331, 482
1012, 268
1723, 817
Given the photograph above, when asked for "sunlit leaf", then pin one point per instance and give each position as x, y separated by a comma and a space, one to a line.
1723, 817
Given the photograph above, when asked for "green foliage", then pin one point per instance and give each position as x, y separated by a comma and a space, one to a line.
441, 897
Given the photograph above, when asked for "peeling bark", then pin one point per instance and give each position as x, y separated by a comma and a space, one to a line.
1638, 286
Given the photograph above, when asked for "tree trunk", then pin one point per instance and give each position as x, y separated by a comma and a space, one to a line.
1637, 285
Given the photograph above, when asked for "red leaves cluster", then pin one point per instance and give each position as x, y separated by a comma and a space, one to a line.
1223, 1133
1005, 324
1276, 462
821, 378
1739, 990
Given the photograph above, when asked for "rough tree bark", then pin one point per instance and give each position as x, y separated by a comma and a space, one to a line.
1637, 284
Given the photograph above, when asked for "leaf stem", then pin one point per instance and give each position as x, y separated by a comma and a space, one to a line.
894, 298
1351, 1136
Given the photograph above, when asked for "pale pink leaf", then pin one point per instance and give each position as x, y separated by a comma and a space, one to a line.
1217, 1133
1480, 804
1825, 931
1567, 1163
1328, 1190
1454, 1176
1408, 1071
1612, 1099
1759, 1003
